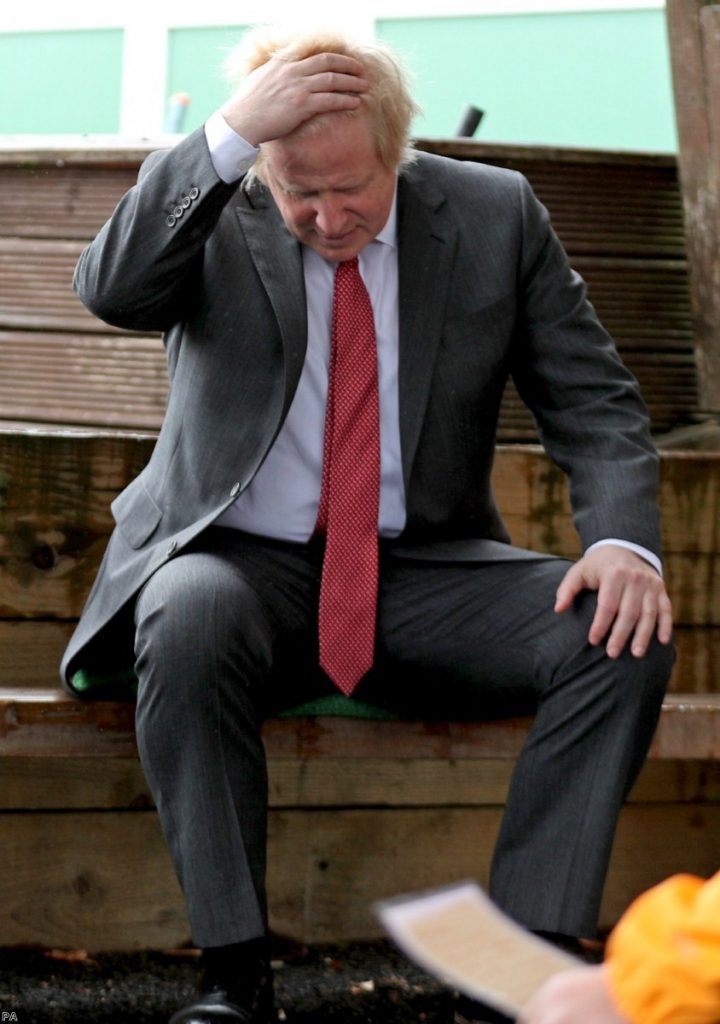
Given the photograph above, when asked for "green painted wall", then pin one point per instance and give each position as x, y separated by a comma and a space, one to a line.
60, 81
596, 78
195, 66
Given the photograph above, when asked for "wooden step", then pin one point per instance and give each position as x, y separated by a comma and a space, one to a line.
38, 722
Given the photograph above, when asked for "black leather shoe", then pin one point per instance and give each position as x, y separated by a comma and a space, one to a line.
221, 1002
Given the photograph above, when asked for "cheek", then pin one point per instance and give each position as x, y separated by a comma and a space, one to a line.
296, 220
302, 216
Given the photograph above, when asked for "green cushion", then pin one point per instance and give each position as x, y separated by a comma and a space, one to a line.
339, 706
122, 685
119, 685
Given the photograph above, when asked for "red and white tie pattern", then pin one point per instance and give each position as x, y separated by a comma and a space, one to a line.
350, 495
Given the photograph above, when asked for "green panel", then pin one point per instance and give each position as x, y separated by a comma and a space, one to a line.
592, 78
195, 66
60, 81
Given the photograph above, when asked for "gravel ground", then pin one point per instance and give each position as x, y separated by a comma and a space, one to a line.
361, 982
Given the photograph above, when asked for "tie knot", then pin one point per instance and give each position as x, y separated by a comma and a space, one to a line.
347, 267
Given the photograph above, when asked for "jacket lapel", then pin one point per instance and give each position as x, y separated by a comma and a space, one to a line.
426, 242
278, 260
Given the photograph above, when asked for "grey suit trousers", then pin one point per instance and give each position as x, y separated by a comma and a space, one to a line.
226, 635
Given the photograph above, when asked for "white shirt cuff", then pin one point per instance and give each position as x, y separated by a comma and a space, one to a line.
637, 548
231, 155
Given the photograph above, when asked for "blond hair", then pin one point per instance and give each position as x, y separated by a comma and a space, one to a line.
388, 103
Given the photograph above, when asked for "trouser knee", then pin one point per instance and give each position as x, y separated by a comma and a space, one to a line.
198, 625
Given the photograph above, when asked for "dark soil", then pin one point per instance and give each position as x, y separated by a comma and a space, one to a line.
361, 982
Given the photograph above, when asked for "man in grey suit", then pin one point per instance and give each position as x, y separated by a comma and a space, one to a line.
229, 244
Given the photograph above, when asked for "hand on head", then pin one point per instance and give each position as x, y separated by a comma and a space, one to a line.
280, 95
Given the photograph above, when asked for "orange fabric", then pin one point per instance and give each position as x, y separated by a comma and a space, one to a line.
663, 959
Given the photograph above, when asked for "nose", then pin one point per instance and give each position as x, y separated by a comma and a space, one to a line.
330, 216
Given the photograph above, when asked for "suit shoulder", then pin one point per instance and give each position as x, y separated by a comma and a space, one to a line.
450, 173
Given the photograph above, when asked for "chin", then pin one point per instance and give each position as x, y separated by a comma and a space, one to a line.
338, 253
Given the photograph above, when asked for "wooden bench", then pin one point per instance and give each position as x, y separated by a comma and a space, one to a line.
355, 805
48, 722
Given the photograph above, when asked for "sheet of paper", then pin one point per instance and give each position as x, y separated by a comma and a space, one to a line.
459, 935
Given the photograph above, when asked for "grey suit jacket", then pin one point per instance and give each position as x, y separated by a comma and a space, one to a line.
485, 291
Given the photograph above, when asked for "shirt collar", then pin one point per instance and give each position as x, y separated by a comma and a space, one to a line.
388, 235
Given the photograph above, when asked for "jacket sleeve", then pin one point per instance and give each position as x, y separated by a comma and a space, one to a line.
587, 406
143, 269
664, 956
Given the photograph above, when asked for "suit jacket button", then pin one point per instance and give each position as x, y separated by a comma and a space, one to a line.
171, 548
235, 489
178, 211
186, 200
170, 221
194, 192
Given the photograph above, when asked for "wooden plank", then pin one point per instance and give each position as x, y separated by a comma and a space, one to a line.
52, 373
693, 582
30, 652
74, 783
68, 200
533, 495
688, 722
55, 515
67, 783
95, 380
57, 489
32, 649
329, 870
689, 728
36, 285
697, 669
103, 880
422, 782
695, 53
49, 723
619, 216
654, 842
88, 880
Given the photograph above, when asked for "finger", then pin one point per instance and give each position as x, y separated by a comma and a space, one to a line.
665, 619
332, 82
655, 615
609, 597
646, 626
630, 613
324, 73
570, 586
328, 61
635, 623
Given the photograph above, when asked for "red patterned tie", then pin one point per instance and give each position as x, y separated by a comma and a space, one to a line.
348, 513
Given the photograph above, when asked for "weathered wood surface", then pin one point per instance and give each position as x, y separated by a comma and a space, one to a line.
82, 379
618, 214
102, 880
58, 364
56, 488
83, 783
694, 31
31, 650
38, 722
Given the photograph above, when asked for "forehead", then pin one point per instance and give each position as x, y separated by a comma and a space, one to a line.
336, 151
